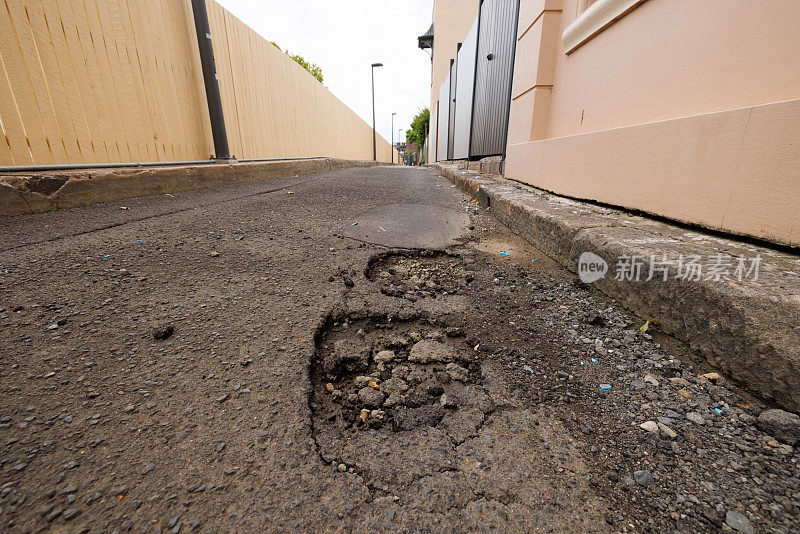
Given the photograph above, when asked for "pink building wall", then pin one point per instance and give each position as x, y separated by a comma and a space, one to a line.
686, 109
452, 20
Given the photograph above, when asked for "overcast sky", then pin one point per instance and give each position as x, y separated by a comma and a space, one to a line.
345, 38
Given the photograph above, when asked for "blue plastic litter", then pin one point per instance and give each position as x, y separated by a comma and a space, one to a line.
594, 360
355, 224
605, 388
718, 410
534, 261
504, 254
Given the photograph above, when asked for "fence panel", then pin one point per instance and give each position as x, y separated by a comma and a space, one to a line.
115, 12
451, 114
81, 93
52, 81
26, 103
444, 120
17, 151
464, 93
116, 81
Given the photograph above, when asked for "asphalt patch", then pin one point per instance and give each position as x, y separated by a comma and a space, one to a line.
409, 226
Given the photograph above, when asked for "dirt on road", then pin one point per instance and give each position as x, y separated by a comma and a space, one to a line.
241, 359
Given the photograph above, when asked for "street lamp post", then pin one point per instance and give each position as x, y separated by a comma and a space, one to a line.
374, 143
393, 115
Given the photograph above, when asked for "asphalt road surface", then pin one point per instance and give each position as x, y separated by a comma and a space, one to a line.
362, 350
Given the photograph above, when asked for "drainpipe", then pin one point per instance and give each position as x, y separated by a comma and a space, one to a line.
211, 81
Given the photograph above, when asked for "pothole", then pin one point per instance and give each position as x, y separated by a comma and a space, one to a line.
391, 401
407, 408
391, 376
417, 275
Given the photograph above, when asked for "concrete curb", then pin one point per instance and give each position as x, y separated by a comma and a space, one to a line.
27, 193
750, 330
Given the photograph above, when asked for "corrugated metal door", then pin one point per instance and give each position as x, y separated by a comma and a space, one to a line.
451, 116
444, 120
493, 75
465, 74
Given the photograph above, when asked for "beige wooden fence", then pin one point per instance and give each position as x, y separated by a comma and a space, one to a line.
115, 81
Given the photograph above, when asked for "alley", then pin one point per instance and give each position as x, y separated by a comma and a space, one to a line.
271, 356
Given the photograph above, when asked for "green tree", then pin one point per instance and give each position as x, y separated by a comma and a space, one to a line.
314, 69
419, 126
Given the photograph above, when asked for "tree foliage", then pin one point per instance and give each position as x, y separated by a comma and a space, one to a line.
419, 126
314, 69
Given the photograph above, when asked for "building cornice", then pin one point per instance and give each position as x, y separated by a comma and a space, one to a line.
596, 18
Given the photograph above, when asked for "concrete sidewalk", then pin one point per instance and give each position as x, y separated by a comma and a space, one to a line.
748, 329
